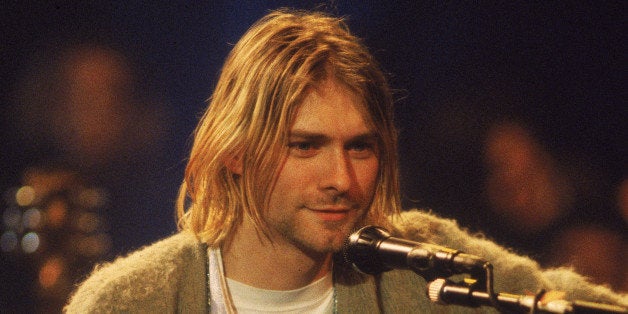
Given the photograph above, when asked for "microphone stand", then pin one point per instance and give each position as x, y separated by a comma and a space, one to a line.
362, 250
443, 291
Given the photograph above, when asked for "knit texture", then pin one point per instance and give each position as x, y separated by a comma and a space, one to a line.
170, 276
165, 277
513, 273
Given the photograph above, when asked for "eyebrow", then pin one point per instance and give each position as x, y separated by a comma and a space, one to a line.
315, 136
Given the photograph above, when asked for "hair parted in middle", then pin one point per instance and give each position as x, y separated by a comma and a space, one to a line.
263, 81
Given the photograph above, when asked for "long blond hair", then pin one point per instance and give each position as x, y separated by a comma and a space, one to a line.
263, 80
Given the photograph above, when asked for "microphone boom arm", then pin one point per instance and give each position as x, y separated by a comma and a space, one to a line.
372, 250
443, 291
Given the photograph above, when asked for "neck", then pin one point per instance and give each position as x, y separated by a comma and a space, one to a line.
250, 258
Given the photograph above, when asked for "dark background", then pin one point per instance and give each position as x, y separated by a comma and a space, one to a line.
456, 67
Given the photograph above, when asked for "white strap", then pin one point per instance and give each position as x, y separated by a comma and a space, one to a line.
219, 301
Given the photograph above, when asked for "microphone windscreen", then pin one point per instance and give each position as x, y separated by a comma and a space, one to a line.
360, 250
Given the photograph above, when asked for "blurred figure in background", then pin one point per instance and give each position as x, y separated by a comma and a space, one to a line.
550, 209
85, 107
54, 229
523, 184
95, 137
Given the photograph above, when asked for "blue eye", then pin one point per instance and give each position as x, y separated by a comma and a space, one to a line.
301, 145
303, 149
362, 149
360, 146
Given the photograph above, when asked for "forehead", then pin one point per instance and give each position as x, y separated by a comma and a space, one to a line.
332, 106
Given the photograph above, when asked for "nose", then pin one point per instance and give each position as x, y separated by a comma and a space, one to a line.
339, 173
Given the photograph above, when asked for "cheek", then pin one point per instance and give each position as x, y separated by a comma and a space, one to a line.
292, 178
367, 174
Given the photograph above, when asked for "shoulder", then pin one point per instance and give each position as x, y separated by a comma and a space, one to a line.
513, 272
146, 278
420, 225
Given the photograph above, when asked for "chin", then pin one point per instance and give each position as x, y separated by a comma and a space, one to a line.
335, 242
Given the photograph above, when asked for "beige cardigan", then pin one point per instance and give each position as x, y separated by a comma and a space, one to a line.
171, 276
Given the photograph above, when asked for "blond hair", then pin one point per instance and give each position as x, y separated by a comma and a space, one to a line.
263, 80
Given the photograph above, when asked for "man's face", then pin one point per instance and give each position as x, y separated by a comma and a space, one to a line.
326, 184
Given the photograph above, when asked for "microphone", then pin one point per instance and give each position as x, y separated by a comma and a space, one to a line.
372, 250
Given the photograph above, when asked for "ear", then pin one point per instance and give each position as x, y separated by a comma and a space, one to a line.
234, 163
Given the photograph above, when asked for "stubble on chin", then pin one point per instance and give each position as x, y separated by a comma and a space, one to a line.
316, 237
337, 233
323, 240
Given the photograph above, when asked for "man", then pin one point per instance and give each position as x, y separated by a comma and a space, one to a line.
296, 149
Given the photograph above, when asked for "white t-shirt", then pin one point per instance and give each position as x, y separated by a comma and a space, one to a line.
317, 297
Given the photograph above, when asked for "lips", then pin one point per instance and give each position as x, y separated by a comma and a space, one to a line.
331, 213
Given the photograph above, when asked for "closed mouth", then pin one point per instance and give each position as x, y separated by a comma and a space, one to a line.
331, 214
331, 209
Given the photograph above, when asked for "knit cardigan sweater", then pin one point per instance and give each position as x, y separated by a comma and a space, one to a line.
170, 276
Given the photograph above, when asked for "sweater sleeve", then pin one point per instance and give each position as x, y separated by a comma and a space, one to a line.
513, 273
146, 281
